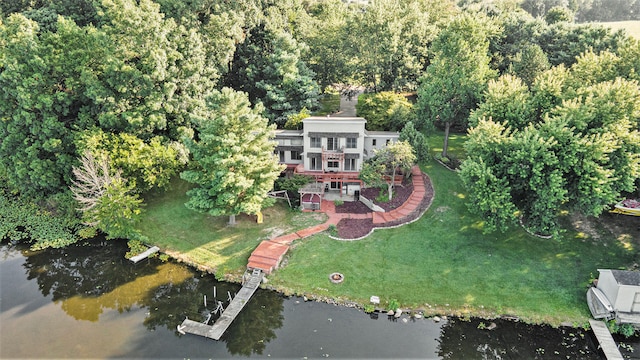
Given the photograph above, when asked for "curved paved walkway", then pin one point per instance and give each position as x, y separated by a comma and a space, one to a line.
268, 255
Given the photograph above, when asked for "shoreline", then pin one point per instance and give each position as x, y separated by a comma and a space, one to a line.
427, 312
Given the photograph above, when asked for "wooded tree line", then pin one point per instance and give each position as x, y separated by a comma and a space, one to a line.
587, 10
154, 87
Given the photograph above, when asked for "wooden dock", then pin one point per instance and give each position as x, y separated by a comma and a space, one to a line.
221, 325
144, 255
607, 344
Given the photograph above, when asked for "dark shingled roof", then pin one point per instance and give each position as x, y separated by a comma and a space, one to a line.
627, 277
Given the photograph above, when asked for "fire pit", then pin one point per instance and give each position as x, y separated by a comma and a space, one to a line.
336, 278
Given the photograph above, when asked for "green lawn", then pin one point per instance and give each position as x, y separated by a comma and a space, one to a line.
206, 240
444, 264
456, 144
632, 27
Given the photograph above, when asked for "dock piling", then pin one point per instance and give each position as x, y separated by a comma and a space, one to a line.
218, 328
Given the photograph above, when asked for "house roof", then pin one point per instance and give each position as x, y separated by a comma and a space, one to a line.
382, 133
627, 277
283, 132
334, 119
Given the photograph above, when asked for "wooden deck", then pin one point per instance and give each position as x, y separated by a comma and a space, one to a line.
144, 255
221, 325
607, 344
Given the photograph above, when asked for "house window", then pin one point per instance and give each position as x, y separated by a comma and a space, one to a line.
373, 142
332, 143
350, 164
316, 163
297, 142
281, 153
352, 143
332, 164
388, 141
295, 155
315, 142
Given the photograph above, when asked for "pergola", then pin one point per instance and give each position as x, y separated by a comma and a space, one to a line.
309, 193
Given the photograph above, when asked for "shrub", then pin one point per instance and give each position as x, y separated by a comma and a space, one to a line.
627, 330
393, 304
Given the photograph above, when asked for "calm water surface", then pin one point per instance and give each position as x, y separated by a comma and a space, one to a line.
86, 301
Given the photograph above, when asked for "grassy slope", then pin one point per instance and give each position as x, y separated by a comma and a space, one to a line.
441, 259
445, 259
632, 27
206, 240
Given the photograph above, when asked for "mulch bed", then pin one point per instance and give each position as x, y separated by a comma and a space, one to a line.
353, 207
400, 194
356, 228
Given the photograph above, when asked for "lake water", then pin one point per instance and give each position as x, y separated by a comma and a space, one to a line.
87, 301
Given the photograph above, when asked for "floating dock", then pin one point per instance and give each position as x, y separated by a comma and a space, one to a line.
144, 255
221, 325
607, 344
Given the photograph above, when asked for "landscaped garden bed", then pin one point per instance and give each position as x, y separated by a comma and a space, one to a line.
400, 194
357, 228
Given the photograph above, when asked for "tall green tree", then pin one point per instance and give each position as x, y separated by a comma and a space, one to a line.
528, 63
454, 82
383, 167
268, 66
417, 140
233, 164
563, 42
162, 75
328, 54
578, 152
386, 110
558, 14
507, 99
44, 79
388, 41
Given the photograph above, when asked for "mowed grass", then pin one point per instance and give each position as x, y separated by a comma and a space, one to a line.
444, 264
632, 28
208, 241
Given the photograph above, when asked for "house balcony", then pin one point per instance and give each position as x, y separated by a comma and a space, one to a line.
333, 155
330, 176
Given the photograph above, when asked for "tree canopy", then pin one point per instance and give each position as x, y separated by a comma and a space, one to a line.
233, 164
572, 142
454, 82
384, 165
132, 79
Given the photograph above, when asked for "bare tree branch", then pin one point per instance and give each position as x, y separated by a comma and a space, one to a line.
91, 180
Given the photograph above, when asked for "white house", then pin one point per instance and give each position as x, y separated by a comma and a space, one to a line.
331, 149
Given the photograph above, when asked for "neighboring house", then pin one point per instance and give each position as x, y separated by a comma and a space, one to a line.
616, 296
331, 149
